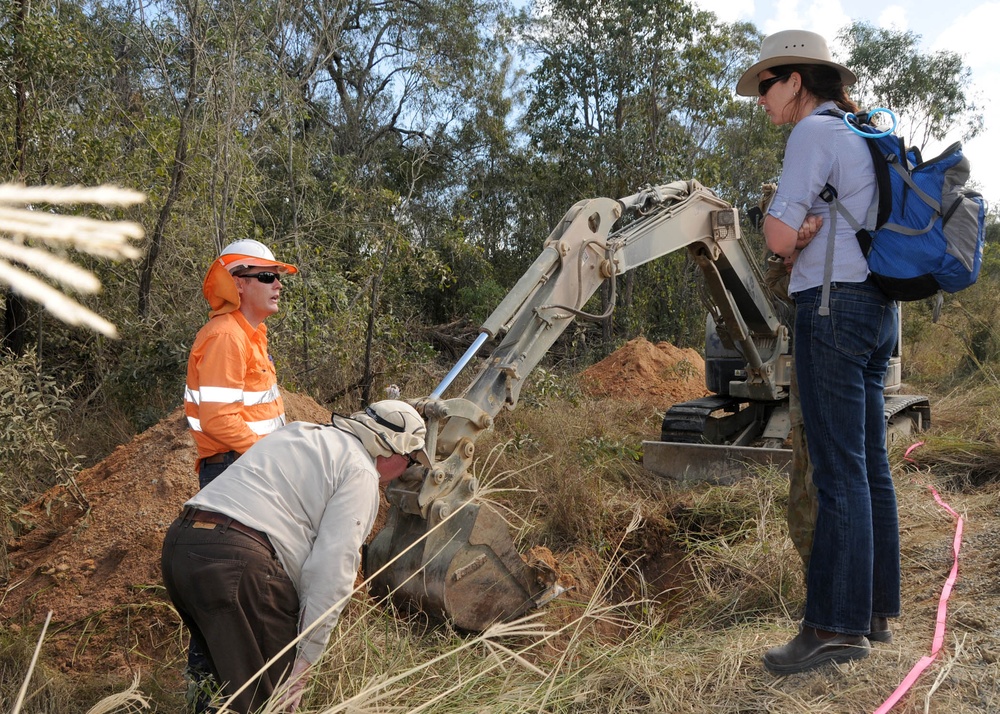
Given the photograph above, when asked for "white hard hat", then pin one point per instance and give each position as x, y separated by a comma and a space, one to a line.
248, 252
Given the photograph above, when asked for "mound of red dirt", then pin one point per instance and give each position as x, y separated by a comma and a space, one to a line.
94, 549
640, 371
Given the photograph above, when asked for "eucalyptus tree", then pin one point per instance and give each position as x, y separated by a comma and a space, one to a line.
930, 91
628, 92
374, 93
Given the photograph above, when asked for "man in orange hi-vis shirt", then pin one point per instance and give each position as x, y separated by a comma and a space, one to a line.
231, 399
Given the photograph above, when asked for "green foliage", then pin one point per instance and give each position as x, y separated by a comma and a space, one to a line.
32, 458
544, 385
31, 405
597, 447
478, 301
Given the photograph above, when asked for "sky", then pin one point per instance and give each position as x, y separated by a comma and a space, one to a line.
968, 27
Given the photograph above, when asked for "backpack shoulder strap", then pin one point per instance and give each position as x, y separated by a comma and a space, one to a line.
880, 162
829, 194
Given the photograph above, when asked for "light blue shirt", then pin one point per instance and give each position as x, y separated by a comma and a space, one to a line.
822, 150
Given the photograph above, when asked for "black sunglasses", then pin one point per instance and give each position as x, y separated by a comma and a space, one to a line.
765, 84
266, 278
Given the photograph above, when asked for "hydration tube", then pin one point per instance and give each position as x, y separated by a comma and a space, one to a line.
849, 118
460, 365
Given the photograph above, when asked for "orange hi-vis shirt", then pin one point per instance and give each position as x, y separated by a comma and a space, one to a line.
231, 398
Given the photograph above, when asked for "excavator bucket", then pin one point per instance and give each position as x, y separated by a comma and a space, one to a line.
459, 567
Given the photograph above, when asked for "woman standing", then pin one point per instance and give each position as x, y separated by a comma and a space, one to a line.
842, 350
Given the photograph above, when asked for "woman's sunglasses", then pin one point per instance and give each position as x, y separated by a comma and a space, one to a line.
266, 278
765, 84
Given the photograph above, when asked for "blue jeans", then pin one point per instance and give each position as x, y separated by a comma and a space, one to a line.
840, 360
209, 472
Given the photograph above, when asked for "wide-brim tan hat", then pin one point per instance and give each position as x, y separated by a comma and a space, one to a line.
791, 47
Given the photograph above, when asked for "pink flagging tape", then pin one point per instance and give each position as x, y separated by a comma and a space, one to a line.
906, 456
942, 611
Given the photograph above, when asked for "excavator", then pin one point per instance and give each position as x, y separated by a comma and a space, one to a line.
447, 553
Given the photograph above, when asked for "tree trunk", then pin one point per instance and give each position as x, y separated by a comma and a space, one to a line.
15, 335
16, 310
177, 171
367, 377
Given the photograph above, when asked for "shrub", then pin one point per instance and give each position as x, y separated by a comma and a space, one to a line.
32, 459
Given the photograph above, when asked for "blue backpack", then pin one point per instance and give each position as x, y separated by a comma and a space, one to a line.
928, 228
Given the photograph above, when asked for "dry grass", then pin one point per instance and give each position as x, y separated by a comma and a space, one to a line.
645, 634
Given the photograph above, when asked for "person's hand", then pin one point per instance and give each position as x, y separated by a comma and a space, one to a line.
294, 686
807, 231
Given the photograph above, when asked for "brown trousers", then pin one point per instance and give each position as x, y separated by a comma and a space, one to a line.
239, 604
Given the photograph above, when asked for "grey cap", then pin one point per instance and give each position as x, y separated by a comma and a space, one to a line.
390, 426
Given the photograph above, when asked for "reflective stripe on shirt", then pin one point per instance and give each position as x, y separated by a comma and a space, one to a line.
252, 398
257, 427
228, 395
266, 426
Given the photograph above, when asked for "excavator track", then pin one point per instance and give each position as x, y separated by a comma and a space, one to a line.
717, 438
905, 414
715, 420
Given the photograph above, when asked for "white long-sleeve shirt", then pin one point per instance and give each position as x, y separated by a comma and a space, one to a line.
313, 490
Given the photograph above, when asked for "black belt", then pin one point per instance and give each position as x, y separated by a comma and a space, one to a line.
221, 458
198, 516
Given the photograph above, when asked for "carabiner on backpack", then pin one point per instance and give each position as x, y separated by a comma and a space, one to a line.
851, 120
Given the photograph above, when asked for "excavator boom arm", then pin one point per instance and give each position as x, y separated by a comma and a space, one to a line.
442, 550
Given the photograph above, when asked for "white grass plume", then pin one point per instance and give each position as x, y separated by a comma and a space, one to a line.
131, 700
104, 239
